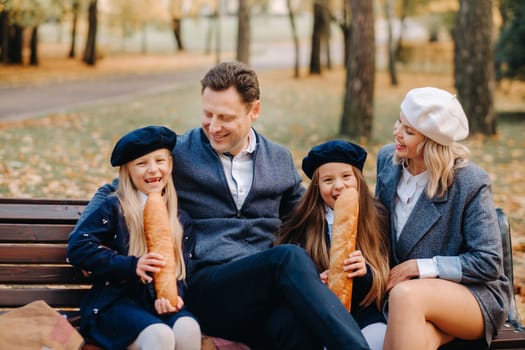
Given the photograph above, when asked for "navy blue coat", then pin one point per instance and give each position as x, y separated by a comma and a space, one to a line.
99, 244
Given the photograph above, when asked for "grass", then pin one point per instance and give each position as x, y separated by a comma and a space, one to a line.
67, 155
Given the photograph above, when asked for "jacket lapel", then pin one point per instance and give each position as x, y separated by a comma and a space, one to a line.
423, 217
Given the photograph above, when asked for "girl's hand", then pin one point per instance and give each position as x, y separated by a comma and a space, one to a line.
355, 265
150, 262
163, 306
324, 276
402, 272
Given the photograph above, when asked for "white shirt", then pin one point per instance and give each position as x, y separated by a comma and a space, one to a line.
329, 216
239, 171
409, 190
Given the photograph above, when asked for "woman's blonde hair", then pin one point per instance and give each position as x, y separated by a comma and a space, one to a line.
441, 162
133, 213
307, 227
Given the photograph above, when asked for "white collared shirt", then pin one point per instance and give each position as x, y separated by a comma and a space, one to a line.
239, 171
409, 190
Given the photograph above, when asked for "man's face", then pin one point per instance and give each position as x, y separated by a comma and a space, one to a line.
226, 120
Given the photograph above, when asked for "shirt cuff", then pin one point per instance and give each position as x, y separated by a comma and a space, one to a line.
427, 268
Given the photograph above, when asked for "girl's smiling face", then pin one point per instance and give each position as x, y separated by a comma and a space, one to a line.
333, 179
150, 172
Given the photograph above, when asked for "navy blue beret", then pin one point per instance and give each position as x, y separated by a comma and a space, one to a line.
142, 141
337, 151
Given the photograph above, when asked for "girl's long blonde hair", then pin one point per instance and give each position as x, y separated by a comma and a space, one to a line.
441, 162
134, 216
307, 226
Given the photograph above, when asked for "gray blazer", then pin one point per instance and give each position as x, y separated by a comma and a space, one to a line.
460, 230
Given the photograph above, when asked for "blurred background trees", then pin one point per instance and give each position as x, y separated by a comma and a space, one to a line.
483, 40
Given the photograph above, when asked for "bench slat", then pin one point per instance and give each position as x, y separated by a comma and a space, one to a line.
508, 338
35, 232
40, 274
32, 253
59, 298
40, 213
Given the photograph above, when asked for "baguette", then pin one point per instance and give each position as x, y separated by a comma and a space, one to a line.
344, 235
159, 239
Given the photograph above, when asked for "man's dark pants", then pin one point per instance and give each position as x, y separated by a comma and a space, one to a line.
274, 300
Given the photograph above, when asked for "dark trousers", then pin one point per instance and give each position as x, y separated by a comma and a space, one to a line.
273, 299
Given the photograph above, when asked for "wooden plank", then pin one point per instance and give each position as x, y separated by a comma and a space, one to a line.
508, 338
15, 297
42, 213
29, 253
40, 274
35, 232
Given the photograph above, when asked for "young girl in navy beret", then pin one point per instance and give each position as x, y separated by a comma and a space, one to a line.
332, 167
121, 310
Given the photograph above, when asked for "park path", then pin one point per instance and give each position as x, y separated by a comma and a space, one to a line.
24, 102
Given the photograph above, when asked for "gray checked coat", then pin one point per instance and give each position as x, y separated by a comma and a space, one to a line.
460, 229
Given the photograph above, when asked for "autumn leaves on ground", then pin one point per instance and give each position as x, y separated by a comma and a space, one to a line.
66, 155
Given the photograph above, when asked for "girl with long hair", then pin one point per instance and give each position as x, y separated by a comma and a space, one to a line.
332, 167
122, 310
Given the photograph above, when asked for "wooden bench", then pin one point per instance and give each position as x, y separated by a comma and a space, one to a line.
33, 240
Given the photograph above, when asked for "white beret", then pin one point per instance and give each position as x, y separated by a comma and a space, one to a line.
435, 113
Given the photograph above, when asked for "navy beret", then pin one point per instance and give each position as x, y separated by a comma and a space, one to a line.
337, 151
142, 141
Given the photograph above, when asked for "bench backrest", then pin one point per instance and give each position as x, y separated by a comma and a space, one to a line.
33, 241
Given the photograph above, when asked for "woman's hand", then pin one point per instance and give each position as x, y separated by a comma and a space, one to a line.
405, 271
324, 276
150, 262
355, 264
163, 306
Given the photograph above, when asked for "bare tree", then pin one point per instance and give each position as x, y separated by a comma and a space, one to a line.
295, 37
389, 10
176, 23
320, 35
33, 58
243, 32
74, 9
90, 52
357, 117
474, 64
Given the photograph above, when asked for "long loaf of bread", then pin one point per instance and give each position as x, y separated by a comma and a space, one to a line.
159, 239
344, 234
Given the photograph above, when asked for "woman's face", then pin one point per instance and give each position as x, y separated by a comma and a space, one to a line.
150, 173
333, 179
407, 139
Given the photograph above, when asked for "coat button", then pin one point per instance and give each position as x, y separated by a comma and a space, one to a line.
95, 311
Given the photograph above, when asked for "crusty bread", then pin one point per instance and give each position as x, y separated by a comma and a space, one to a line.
159, 239
344, 234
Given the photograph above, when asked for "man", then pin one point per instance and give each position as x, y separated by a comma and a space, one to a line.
237, 185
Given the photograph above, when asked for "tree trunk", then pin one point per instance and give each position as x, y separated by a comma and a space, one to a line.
317, 32
90, 54
76, 6
243, 32
4, 36
177, 24
295, 37
326, 34
15, 44
357, 117
33, 60
474, 64
402, 25
389, 4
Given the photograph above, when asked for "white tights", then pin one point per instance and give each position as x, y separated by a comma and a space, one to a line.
185, 335
374, 334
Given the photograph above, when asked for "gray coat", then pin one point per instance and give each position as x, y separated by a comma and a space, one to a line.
460, 229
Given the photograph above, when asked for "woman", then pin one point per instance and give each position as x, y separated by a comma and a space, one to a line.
447, 278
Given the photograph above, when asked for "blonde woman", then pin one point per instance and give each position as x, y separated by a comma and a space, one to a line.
121, 310
447, 278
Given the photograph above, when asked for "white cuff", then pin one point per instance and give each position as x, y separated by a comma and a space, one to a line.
427, 268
